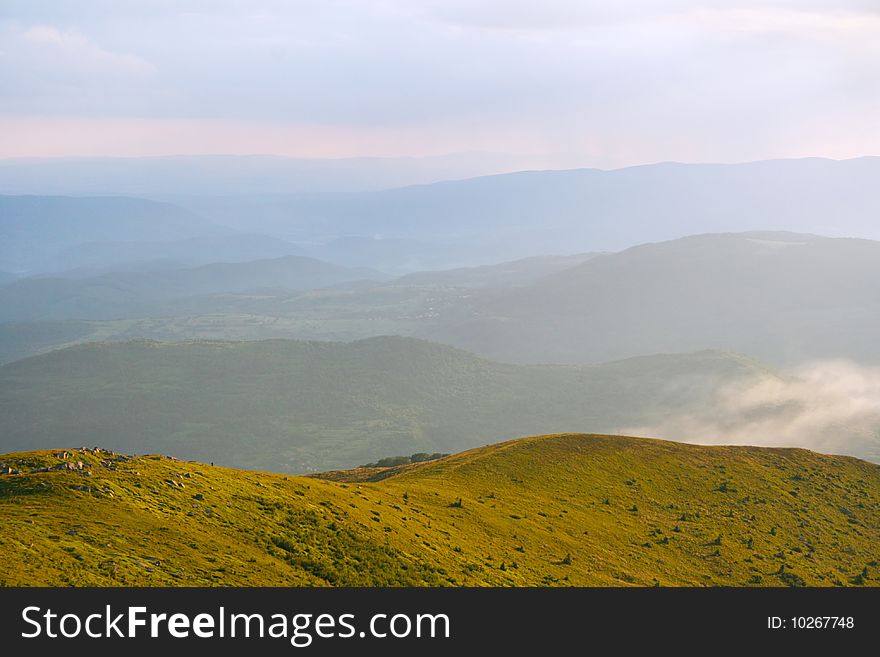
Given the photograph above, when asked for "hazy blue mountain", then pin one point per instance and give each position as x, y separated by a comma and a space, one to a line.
92, 258
35, 228
538, 212
19, 340
395, 256
6, 277
504, 274
133, 294
238, 174
468, 222
781, 297
300, 406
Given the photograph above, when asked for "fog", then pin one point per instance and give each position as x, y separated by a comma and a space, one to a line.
828, 406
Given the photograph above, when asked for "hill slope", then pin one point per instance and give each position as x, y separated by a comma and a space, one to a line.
535, 212
552, 510
505, 274
783, 298
92, 258
780, 297
35, 228
122, 294
305, 406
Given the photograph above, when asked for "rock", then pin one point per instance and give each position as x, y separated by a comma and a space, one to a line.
198, 496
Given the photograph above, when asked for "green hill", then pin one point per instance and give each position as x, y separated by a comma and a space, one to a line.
139, 293
292, 406
552, 510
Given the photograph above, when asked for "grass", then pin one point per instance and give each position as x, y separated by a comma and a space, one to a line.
547, 511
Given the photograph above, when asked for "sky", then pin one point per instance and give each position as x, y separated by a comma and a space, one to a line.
556, 82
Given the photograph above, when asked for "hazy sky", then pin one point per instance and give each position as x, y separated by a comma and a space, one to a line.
569, 82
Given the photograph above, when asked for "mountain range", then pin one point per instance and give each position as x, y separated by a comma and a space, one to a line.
135, 294
784, 298
34, 229
463, 222
781, 297
579, 210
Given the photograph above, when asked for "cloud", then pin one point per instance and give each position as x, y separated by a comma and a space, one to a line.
570, 15
584, 83
77, 50
827, 406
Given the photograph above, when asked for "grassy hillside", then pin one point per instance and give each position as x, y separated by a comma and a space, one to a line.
291, 406
553, 510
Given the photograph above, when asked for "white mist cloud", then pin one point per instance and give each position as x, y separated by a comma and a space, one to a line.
827, 406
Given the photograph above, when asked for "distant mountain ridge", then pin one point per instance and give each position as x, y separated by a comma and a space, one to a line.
35, 228
506, 274
465, 221
781, 297
784, 298
127, 294
167, 176
93, 258
579, 210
